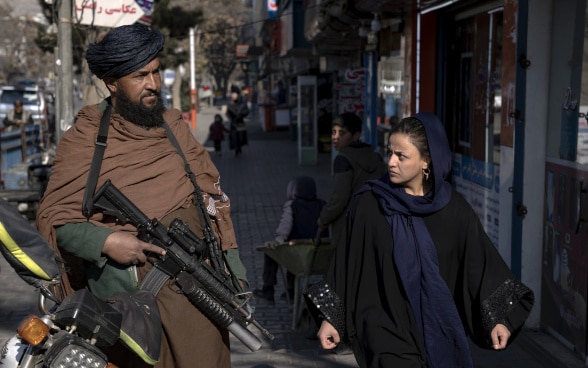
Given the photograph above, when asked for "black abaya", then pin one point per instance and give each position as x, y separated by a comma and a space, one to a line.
379, 321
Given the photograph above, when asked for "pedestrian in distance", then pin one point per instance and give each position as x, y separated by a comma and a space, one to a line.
217, 133
237, 111
417, 273
17, 117
302, 206
355, 163
153, 159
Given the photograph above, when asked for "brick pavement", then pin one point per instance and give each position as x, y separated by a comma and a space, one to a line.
256, 183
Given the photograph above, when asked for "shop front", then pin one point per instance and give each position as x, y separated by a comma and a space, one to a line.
565, 233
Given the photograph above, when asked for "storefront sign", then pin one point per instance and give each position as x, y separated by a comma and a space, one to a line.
111, 13
272, 9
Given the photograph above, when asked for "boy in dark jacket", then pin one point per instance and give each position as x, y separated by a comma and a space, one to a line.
298, 221
356, 163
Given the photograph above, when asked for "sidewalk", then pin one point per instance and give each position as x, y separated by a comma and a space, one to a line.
256, 183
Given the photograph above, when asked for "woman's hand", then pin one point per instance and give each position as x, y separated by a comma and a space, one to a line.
328, 336
499, 335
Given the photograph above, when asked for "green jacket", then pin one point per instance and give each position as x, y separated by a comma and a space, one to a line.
104, 276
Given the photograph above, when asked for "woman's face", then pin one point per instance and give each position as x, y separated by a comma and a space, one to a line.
405, 164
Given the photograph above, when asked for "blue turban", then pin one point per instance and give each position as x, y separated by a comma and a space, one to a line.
124, 50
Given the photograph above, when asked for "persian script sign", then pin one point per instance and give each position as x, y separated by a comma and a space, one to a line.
111, 13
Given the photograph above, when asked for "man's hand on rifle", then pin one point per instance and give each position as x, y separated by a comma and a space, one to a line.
125, 248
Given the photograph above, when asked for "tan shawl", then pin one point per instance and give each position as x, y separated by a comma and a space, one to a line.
143, 164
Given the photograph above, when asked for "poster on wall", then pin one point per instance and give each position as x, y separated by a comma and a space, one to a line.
479, 183
350, 90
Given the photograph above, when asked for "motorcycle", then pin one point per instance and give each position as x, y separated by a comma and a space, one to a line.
70, 330
70, 334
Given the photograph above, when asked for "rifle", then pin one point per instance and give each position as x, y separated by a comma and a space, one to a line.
209, 288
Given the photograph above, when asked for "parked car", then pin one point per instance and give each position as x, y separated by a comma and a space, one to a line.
33, 98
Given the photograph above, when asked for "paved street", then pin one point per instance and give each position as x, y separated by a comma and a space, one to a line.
256, 183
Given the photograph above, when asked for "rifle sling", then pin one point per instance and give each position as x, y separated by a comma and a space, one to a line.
100, 147
202, 213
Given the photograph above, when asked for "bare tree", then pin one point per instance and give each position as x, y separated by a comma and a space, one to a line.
223, 25
218, 43
18, 59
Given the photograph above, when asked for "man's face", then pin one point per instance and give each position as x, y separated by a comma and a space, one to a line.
137, 96
141, 86
18, 108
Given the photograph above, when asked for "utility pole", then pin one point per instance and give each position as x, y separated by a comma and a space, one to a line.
193, 92
64, 82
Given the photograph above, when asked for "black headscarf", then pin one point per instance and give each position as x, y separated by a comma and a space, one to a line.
415, 254
124, 50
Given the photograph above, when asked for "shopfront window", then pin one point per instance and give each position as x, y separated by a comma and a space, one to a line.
474, 93
391, 84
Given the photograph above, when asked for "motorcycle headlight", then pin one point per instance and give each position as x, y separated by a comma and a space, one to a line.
71, 351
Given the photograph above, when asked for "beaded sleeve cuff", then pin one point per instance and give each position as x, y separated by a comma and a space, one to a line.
323, 303
495, 308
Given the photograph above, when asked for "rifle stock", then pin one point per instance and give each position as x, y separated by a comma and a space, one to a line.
208, 289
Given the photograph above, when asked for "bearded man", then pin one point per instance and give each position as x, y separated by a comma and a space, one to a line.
141, 161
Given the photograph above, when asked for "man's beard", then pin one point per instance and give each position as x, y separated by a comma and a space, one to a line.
139, 114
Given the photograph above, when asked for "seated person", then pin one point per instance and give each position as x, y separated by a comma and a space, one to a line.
18, 116
298, 221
